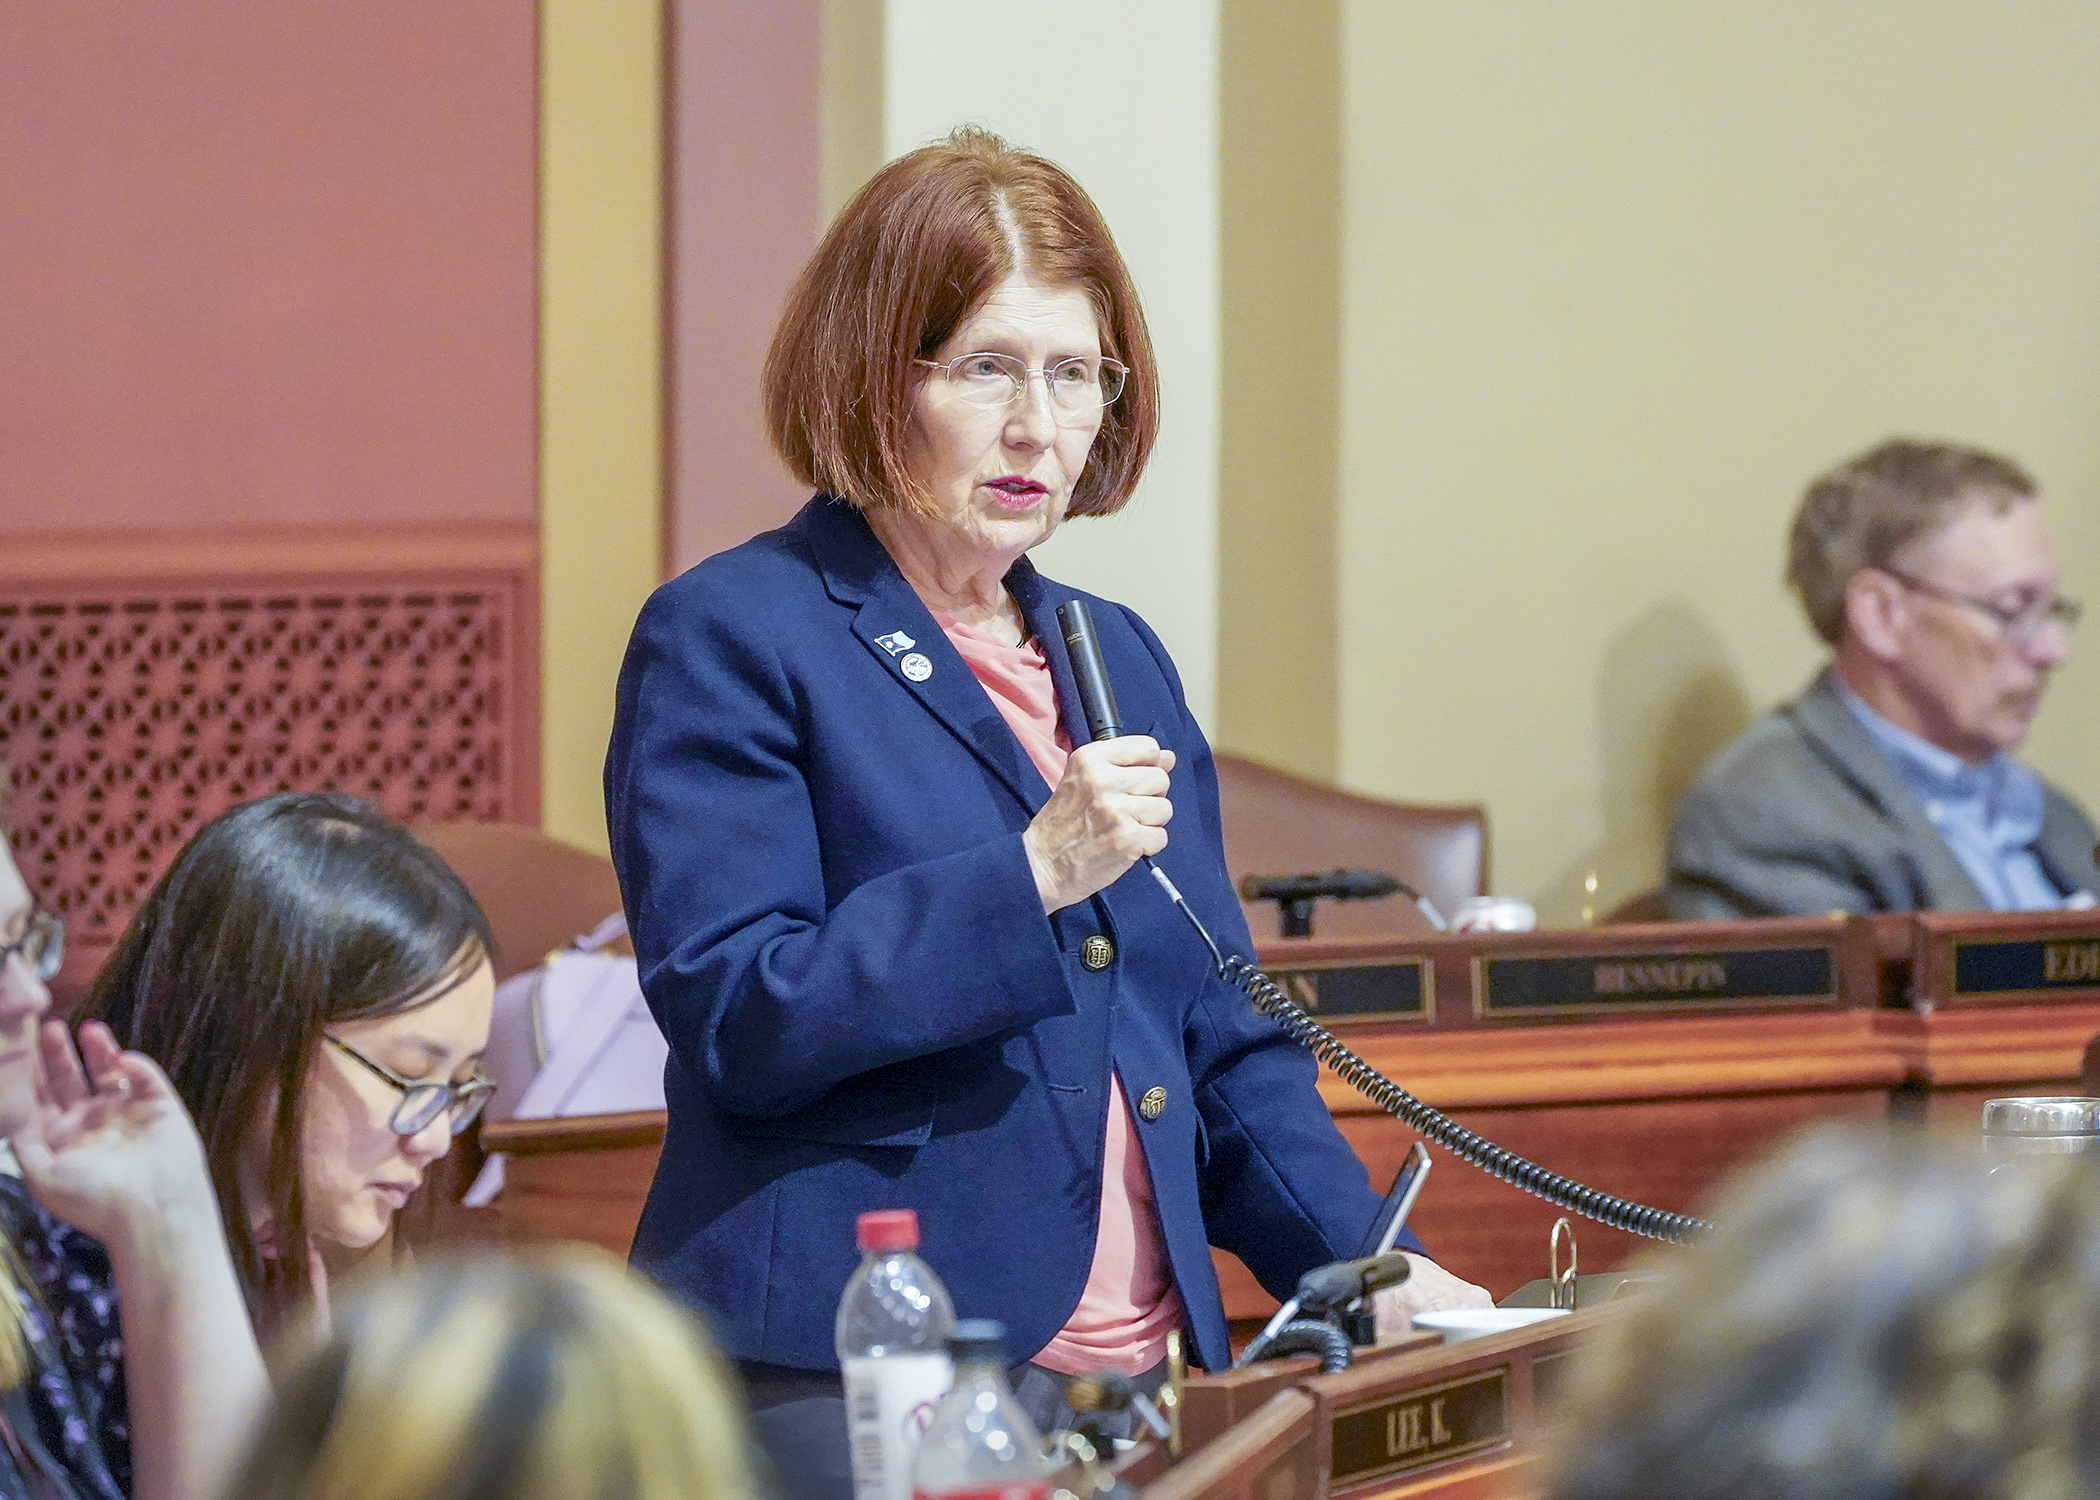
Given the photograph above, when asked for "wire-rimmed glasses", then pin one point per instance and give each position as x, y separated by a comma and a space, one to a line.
1078, 386
2015, 625
42, 945
423, 1100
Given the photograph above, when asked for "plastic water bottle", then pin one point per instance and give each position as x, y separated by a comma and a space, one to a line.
981, 1445
892, 1339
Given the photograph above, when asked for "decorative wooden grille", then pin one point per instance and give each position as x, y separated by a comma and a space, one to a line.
131, 716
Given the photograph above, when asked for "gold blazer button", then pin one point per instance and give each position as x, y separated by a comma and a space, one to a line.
1097, 952
1154, 1103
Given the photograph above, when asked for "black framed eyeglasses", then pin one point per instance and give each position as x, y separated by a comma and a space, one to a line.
42, 945
2022, 624
422, 1100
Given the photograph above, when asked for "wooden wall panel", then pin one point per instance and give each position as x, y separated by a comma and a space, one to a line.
1659, 1109
134, 709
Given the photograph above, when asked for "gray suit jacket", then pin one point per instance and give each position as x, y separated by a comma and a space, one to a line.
1804, 815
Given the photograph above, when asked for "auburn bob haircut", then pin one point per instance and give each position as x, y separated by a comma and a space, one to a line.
918, 250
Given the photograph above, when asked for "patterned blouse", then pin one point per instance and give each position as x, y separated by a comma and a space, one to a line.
66, 1433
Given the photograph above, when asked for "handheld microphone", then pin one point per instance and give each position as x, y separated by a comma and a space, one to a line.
1097, 705
1097, 700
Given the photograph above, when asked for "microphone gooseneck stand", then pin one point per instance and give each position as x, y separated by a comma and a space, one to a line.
1098, 705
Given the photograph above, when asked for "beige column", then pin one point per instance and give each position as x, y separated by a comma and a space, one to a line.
600, 417
1280, 320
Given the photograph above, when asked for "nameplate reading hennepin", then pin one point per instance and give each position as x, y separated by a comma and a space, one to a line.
1422, 1427
2032, 964
1649, 981
1394, 990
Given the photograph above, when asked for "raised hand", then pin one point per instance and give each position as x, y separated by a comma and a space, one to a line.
1110, 809
110, 1147
112, 1152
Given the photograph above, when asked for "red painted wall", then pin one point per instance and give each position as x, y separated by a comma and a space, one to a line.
267, 264
268, 416
743, 137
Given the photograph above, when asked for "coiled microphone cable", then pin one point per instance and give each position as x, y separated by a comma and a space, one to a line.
1098, 706
1426, 1120
1434, 1125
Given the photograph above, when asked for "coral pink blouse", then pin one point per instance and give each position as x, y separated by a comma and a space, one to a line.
1130, 1304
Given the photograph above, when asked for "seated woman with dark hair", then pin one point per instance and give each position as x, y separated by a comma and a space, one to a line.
1877, 1319
317, 985
127, 1366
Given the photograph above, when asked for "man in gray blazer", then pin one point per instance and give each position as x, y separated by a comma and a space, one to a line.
1890, 784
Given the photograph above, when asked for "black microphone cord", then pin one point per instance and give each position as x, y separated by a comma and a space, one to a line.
1098, 704
1434, 1125
1426, 1120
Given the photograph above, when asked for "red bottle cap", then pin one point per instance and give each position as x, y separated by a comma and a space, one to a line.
888, 1229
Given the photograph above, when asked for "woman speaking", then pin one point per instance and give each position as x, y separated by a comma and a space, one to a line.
884, 907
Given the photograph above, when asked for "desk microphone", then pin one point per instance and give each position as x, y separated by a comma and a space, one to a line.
1327, 1288
1325, 1291
1341, 885
1294, 895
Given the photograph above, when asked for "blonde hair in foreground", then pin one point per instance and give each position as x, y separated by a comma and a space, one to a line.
558, 1375
17, 1290
1878, 1318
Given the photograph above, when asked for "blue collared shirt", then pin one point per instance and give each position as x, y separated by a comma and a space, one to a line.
1990, 815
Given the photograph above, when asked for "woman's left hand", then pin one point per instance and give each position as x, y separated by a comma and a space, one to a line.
110, 1149
1428, 1288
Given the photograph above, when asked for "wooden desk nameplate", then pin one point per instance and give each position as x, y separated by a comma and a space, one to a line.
1443, 982
1368, 981
1411, 1420
1964, 959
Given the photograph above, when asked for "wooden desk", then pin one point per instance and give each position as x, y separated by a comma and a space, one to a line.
582, 1177
1648, 1061
2001, 1003
1645, 1091
1423, 1422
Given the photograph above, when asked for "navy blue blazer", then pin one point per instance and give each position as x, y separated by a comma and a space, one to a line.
839, 933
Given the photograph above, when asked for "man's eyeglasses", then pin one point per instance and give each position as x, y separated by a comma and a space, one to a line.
423, 1101
2019, 625
1077, 387
42, 945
